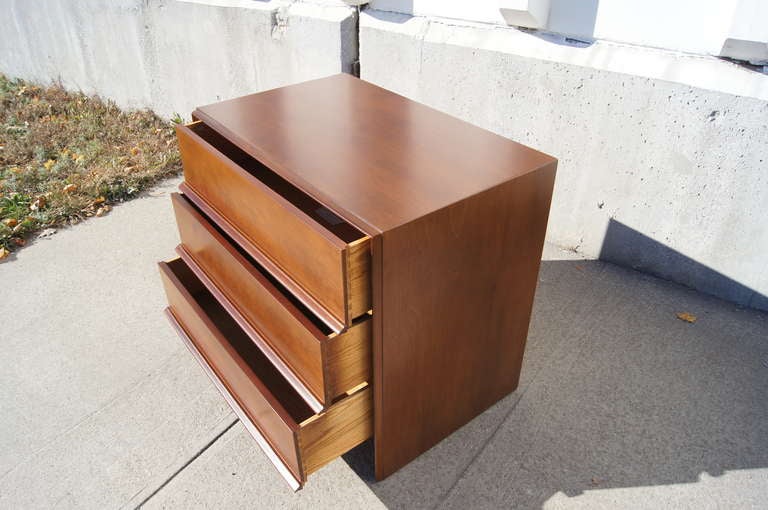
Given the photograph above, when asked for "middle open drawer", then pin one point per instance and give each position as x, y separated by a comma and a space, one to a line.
317, 362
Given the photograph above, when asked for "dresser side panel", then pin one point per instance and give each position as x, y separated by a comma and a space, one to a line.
452, 303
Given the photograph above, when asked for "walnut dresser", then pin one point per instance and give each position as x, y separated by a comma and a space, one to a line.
354, 265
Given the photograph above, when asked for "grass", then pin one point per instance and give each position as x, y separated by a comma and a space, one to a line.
65, 157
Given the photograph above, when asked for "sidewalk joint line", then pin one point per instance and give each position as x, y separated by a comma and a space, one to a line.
187, 463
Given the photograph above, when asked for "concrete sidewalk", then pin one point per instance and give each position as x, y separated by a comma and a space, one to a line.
621, 404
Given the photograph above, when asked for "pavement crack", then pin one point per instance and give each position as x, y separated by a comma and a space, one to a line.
187, 463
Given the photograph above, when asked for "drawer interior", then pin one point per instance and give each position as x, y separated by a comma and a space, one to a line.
308, 205
296, 440
244, 348
318, 362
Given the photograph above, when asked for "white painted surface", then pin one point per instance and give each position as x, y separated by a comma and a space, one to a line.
693, 26
677, 155
483, 11
525, 13
748, 37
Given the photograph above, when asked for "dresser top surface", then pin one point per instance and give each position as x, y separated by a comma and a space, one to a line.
377, 158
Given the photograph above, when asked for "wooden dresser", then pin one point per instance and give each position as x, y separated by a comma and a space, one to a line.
354, 264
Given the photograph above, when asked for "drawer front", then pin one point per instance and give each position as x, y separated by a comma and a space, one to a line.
326, 364
295, 439
216, 351
295, 339
316, 265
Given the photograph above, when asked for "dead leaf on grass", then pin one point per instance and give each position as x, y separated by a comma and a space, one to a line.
687, 317
69, 188
10, 222
4, 253
101, 211
38, 204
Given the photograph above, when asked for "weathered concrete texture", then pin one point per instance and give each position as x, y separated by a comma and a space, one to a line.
100, 401
171, 55
620, 405
629, 406
234, 473
660, 176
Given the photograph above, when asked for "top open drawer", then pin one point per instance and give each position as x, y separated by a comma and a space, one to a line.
321, 259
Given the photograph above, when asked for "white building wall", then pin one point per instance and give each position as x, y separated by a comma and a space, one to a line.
692, 26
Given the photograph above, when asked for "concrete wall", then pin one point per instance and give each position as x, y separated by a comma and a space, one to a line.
663, 156
173, 55
666, 177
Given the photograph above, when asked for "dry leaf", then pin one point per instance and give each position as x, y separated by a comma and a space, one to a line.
103, 210
687, 317
11, 222
38, 204
99, 201
49, 164
135, 150
4, 253
69, 188
19, 241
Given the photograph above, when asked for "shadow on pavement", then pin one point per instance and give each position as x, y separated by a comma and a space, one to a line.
615, 392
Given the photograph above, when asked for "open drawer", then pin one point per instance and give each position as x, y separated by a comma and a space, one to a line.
297, 441
319, 363
319, 257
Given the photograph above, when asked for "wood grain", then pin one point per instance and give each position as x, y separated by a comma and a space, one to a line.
375, 158
300, 440
452, 216
247, 375
276, 228
456, 290
348, 358
358, 277
273, 314
345, 425
241, 414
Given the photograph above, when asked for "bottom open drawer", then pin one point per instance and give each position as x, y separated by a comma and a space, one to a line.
297, 441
